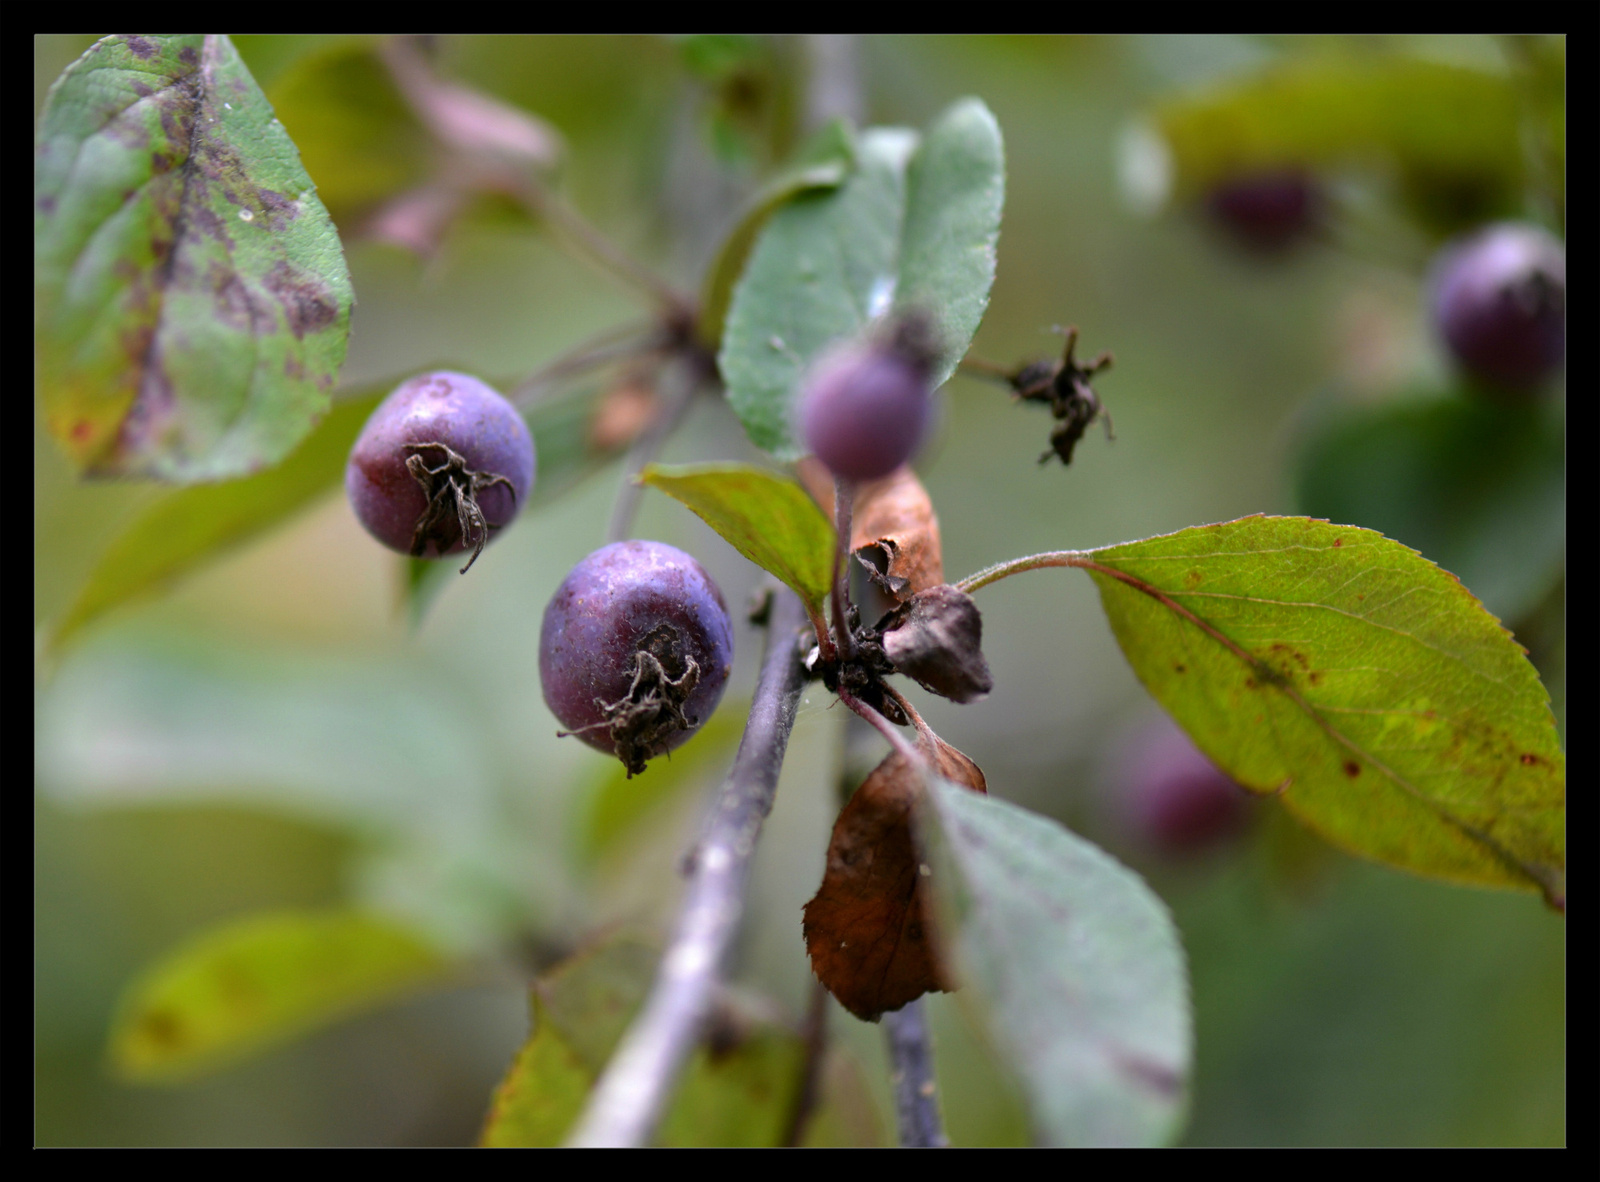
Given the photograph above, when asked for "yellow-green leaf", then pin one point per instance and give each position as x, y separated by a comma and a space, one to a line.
259, 981
768, 519
1359, 682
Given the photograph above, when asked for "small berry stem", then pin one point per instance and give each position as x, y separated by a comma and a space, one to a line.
844, 495
885, 728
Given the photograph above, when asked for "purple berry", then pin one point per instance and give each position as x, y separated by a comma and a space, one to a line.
442, 464
635, 650
865, 406
1175, 800
1268, 211
1499, 302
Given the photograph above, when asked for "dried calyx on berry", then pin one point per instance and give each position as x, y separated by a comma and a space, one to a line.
865, 405
1064, 387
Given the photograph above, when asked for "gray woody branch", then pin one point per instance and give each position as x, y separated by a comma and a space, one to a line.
631, 1094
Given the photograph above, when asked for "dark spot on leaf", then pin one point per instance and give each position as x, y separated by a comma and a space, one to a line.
163, 1028
277, 206
1316, 677
81, 430
47, 204
188, 56
1180, 668
1360, 597
141, 48
1352, 768
1250, 683
293, 368
1192, 579
1153, 1076
160, 162
140, 89
1529, 759
305, 300
210, 223
1337, 542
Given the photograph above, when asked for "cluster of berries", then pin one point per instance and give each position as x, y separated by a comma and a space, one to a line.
637, 643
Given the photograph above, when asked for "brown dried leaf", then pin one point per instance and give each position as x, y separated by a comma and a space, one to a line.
867, 929
895, 534
938, 641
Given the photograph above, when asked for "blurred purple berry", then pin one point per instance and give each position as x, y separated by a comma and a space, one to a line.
635, 649
1174, 799
1499, 303
865, 407
442, 464
1268, 211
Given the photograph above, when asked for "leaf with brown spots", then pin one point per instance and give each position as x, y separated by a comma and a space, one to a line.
1365, 686
867, 929
192, 300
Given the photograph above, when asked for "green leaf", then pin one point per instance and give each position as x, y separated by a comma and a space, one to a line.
739, 1098
770, 520
1073, 963
912, 227
192, 303
740, 1095
1363, 685
260, 981
821, 164
621, 803
1477, 486
359, 140
189, 527
1448, 132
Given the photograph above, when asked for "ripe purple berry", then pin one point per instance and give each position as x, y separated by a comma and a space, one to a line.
865, 406
635, 650
442, 464
1174, 799
1268, 211
1499, 302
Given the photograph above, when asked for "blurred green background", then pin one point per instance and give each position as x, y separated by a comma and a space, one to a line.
273, 733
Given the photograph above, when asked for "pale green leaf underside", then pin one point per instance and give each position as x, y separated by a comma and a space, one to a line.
914, 226
192, 303
258, 981
769, 519
1360, 682
1073, 964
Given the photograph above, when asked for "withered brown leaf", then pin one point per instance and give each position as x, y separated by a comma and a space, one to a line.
893, 529
867, 928
937, 639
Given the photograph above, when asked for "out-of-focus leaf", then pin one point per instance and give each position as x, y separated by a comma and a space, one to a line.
739, 1096
359, 140
823, 163
580, 1010
768, 519
260, 981
737, 1093
389, 747
1073, 964
189, 527
914, 226
192, 303
1477, 486
1363, 685
1448, 132
622, 801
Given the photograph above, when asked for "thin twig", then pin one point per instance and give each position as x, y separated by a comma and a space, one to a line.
622, 342
884, 727
682, 385
814, 1037
916, 1092
844, 495
632, 1092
